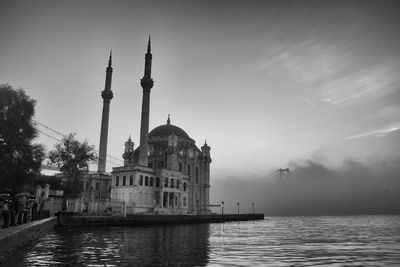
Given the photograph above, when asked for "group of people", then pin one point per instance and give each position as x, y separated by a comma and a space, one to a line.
18, 211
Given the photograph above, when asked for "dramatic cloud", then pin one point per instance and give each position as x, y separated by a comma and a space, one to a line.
314, 189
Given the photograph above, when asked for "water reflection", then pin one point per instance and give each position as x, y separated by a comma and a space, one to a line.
176, 245
275, 241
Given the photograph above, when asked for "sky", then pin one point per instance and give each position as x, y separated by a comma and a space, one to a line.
305, 85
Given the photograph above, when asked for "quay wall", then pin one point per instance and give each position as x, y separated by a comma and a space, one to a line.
14, 238
82, 219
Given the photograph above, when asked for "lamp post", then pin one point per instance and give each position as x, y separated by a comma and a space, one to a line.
222, 207
16, 157
238, 207
253, 206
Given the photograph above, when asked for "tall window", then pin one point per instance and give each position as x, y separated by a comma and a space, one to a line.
97, 186
141, 180
188, 170
172, 183
124, 180
158, 182
166, 182
180, 166
184, 201
151, 181
131, 180
116, 182
197, 175
146, 181
87, 185
184, 186
177, 184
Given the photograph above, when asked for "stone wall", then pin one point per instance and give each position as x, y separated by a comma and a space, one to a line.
14, 238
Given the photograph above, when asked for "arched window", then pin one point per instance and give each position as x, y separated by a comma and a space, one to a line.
124, 180
197, 175
131, 180
116, 182
166, 182
180, 166
146, 181
141, 180
172, 183
151, 181
158, 182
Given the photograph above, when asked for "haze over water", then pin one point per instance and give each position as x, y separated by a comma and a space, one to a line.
275, 241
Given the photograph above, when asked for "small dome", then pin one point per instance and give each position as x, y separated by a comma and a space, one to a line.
167, 130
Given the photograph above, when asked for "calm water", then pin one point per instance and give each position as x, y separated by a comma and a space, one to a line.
276, 241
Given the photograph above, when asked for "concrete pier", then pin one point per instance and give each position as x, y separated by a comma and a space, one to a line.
83, 219
14, 238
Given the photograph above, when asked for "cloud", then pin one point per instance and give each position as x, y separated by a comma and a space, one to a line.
334, 70
314, 189
379, 132
377, 81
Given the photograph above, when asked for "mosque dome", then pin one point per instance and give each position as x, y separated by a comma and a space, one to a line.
167, 130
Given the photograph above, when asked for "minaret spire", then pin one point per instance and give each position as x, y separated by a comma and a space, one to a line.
147, 83
149, 45
110, 59
107, 95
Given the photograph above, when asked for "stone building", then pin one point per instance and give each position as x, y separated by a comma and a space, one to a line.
167, 173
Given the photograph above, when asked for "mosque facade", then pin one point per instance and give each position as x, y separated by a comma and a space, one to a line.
167, 173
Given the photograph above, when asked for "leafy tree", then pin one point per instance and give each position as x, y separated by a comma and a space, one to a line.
73, 159
19, 158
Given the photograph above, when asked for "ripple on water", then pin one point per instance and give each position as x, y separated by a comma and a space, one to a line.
289, 241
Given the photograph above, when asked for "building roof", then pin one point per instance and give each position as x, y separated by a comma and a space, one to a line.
167, 130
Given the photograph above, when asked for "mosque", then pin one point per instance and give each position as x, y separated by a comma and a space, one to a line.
167, 173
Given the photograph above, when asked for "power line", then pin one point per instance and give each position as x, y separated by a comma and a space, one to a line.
57, 132
63, 135
52, 137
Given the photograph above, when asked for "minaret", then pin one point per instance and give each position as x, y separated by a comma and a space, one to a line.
206, 182
147, 83
107, 95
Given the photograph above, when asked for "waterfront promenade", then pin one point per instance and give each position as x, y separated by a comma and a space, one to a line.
16, 237
82, 219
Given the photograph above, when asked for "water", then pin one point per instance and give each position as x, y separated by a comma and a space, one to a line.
276, 241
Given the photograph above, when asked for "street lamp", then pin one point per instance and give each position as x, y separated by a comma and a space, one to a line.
16, 157
253, 206
238, 207
222, 207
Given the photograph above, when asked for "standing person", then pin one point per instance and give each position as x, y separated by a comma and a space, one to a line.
5, 214
34, 210
12, 212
